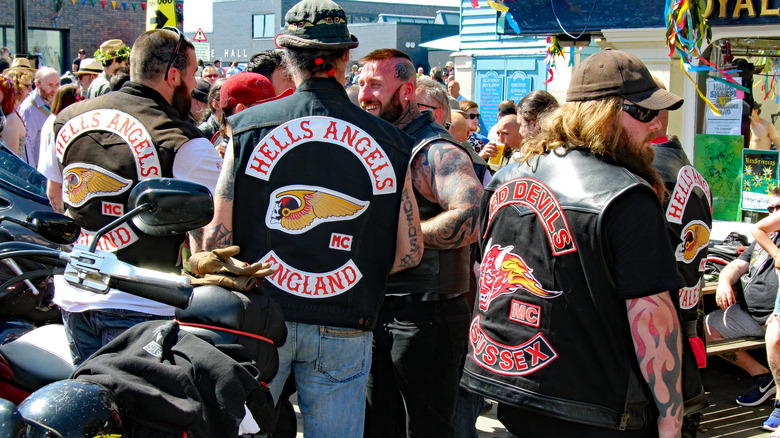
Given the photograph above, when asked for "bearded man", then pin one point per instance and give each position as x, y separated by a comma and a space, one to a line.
157, 99
575, 333
420, 337
35, 109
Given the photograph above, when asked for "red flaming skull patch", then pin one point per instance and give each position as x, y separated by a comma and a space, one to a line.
502, 272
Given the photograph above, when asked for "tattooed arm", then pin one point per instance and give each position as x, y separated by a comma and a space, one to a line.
219, 233
443, 173
655, 331
409, 241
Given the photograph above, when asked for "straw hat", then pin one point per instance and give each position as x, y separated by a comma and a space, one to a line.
89, 66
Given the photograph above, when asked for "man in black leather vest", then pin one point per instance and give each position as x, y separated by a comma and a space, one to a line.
322, 191
423, 325
575, 333
104, 147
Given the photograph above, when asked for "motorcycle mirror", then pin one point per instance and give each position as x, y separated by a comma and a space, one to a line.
176, 206
52, 226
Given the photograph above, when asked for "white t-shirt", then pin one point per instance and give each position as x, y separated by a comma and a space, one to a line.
196, 161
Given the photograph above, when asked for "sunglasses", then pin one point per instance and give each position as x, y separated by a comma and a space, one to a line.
772, 208
641, 114
473, 116
425, 106
175, 50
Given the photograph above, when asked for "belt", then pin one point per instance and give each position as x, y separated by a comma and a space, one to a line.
418, 298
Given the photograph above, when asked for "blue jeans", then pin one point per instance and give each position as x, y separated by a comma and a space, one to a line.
90, 330
331, 367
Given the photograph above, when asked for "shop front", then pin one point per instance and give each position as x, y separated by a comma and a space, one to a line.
745, 43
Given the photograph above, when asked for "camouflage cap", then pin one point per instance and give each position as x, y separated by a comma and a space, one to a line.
316, 24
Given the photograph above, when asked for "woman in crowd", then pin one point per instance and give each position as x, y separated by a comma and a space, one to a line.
17, 83
477, 140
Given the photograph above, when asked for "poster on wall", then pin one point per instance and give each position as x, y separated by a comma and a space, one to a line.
759, 177
728, 100
491, 91
719, 159
518, 85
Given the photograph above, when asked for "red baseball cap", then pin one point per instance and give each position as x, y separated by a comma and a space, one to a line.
248, 89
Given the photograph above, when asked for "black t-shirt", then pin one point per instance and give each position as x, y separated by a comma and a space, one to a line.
760, 283
642, 260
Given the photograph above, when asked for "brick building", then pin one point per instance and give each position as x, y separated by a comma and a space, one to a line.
56, 36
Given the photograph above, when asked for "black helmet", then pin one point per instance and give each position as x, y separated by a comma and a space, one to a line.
11, 424
72, 409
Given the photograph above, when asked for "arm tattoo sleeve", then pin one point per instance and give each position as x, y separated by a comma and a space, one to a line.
656, 334
408, 260
447, 174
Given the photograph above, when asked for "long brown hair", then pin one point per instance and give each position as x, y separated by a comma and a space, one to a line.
64, 97
592, 125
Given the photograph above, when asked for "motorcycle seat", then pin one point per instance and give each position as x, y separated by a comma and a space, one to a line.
39, 357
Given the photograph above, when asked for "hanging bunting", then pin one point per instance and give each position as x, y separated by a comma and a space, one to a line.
73, 1
124, 5
554, 50
686, 29
512, 23
103, 2
133, 5
143, 6
497, 5
474, 4
113, 4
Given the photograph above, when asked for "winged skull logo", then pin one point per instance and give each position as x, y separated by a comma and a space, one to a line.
84, 181
295, 209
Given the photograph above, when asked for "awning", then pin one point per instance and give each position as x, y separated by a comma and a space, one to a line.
451, 43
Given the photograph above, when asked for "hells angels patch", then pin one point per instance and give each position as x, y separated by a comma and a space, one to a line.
298, 208
82, 182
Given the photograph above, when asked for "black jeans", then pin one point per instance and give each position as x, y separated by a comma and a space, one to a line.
417, 352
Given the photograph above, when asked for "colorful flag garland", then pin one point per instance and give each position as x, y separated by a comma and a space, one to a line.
686, 29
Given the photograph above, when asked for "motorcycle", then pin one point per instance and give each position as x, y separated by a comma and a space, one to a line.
158, 207
27, 303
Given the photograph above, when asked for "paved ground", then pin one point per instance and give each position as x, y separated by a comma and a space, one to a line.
723, 418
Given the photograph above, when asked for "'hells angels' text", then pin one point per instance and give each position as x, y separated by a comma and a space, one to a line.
127, 127
687, 179
300, 131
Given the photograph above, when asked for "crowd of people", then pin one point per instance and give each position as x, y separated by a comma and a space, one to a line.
422, 267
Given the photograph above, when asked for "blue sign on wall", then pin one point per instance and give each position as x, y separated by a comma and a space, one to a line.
518, 85
491, 92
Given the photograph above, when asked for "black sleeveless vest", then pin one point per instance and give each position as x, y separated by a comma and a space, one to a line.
439, 271
318, 185
548, 324
105, 146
